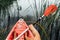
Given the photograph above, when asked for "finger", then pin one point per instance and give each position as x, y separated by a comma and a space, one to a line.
26, 37
34, 31
26, 34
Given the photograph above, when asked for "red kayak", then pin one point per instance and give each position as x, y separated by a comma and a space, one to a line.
17, 29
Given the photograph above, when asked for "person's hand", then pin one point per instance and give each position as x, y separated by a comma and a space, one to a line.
35, 33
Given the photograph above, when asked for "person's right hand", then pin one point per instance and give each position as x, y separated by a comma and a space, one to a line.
35, 33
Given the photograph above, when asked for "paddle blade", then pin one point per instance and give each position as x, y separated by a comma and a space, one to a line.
52, 8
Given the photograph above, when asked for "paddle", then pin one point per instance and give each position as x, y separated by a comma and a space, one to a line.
49, 10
